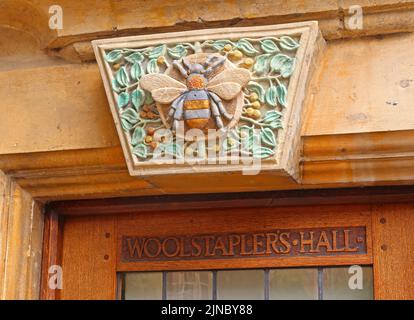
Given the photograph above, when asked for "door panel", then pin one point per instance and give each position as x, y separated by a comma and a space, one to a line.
393, 226
88, 259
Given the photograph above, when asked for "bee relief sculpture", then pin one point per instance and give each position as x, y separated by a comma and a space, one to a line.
198, 97
200, 91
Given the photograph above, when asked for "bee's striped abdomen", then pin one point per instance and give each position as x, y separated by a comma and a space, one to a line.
197, 109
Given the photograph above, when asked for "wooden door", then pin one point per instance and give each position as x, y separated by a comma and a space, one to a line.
94, 248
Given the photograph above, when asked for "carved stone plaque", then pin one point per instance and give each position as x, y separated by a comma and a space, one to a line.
210, 100
270, 244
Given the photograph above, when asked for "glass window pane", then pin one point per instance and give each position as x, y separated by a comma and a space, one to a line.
143, 286
240, 284
336, 283
293, 284
190, 285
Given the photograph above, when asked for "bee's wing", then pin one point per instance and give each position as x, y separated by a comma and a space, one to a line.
237, 75
226, 90
163, 88
166, 95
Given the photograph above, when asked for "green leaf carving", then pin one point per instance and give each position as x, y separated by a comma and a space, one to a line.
248, 137
277, 124
269, 46
122, 77
282, 94
245, 46
177, 52
157, 51
138, 98
126, 125
152, 66
277, 61
288, 43
123, 99
115, 86
130, 115
268, 137
262, 64
140, 151
136, 71
138, 136
258, 89
287, 68
136, 57
114, 56
248, 143
272, 116
271, 96
262, 152
284, 64
219, 44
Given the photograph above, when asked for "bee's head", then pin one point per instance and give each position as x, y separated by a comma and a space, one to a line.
193, 67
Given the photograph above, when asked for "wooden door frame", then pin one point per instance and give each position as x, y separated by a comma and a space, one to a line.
374, 196
360, 195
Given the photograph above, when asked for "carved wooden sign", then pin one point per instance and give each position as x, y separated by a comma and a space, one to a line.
210, 100
336, 241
